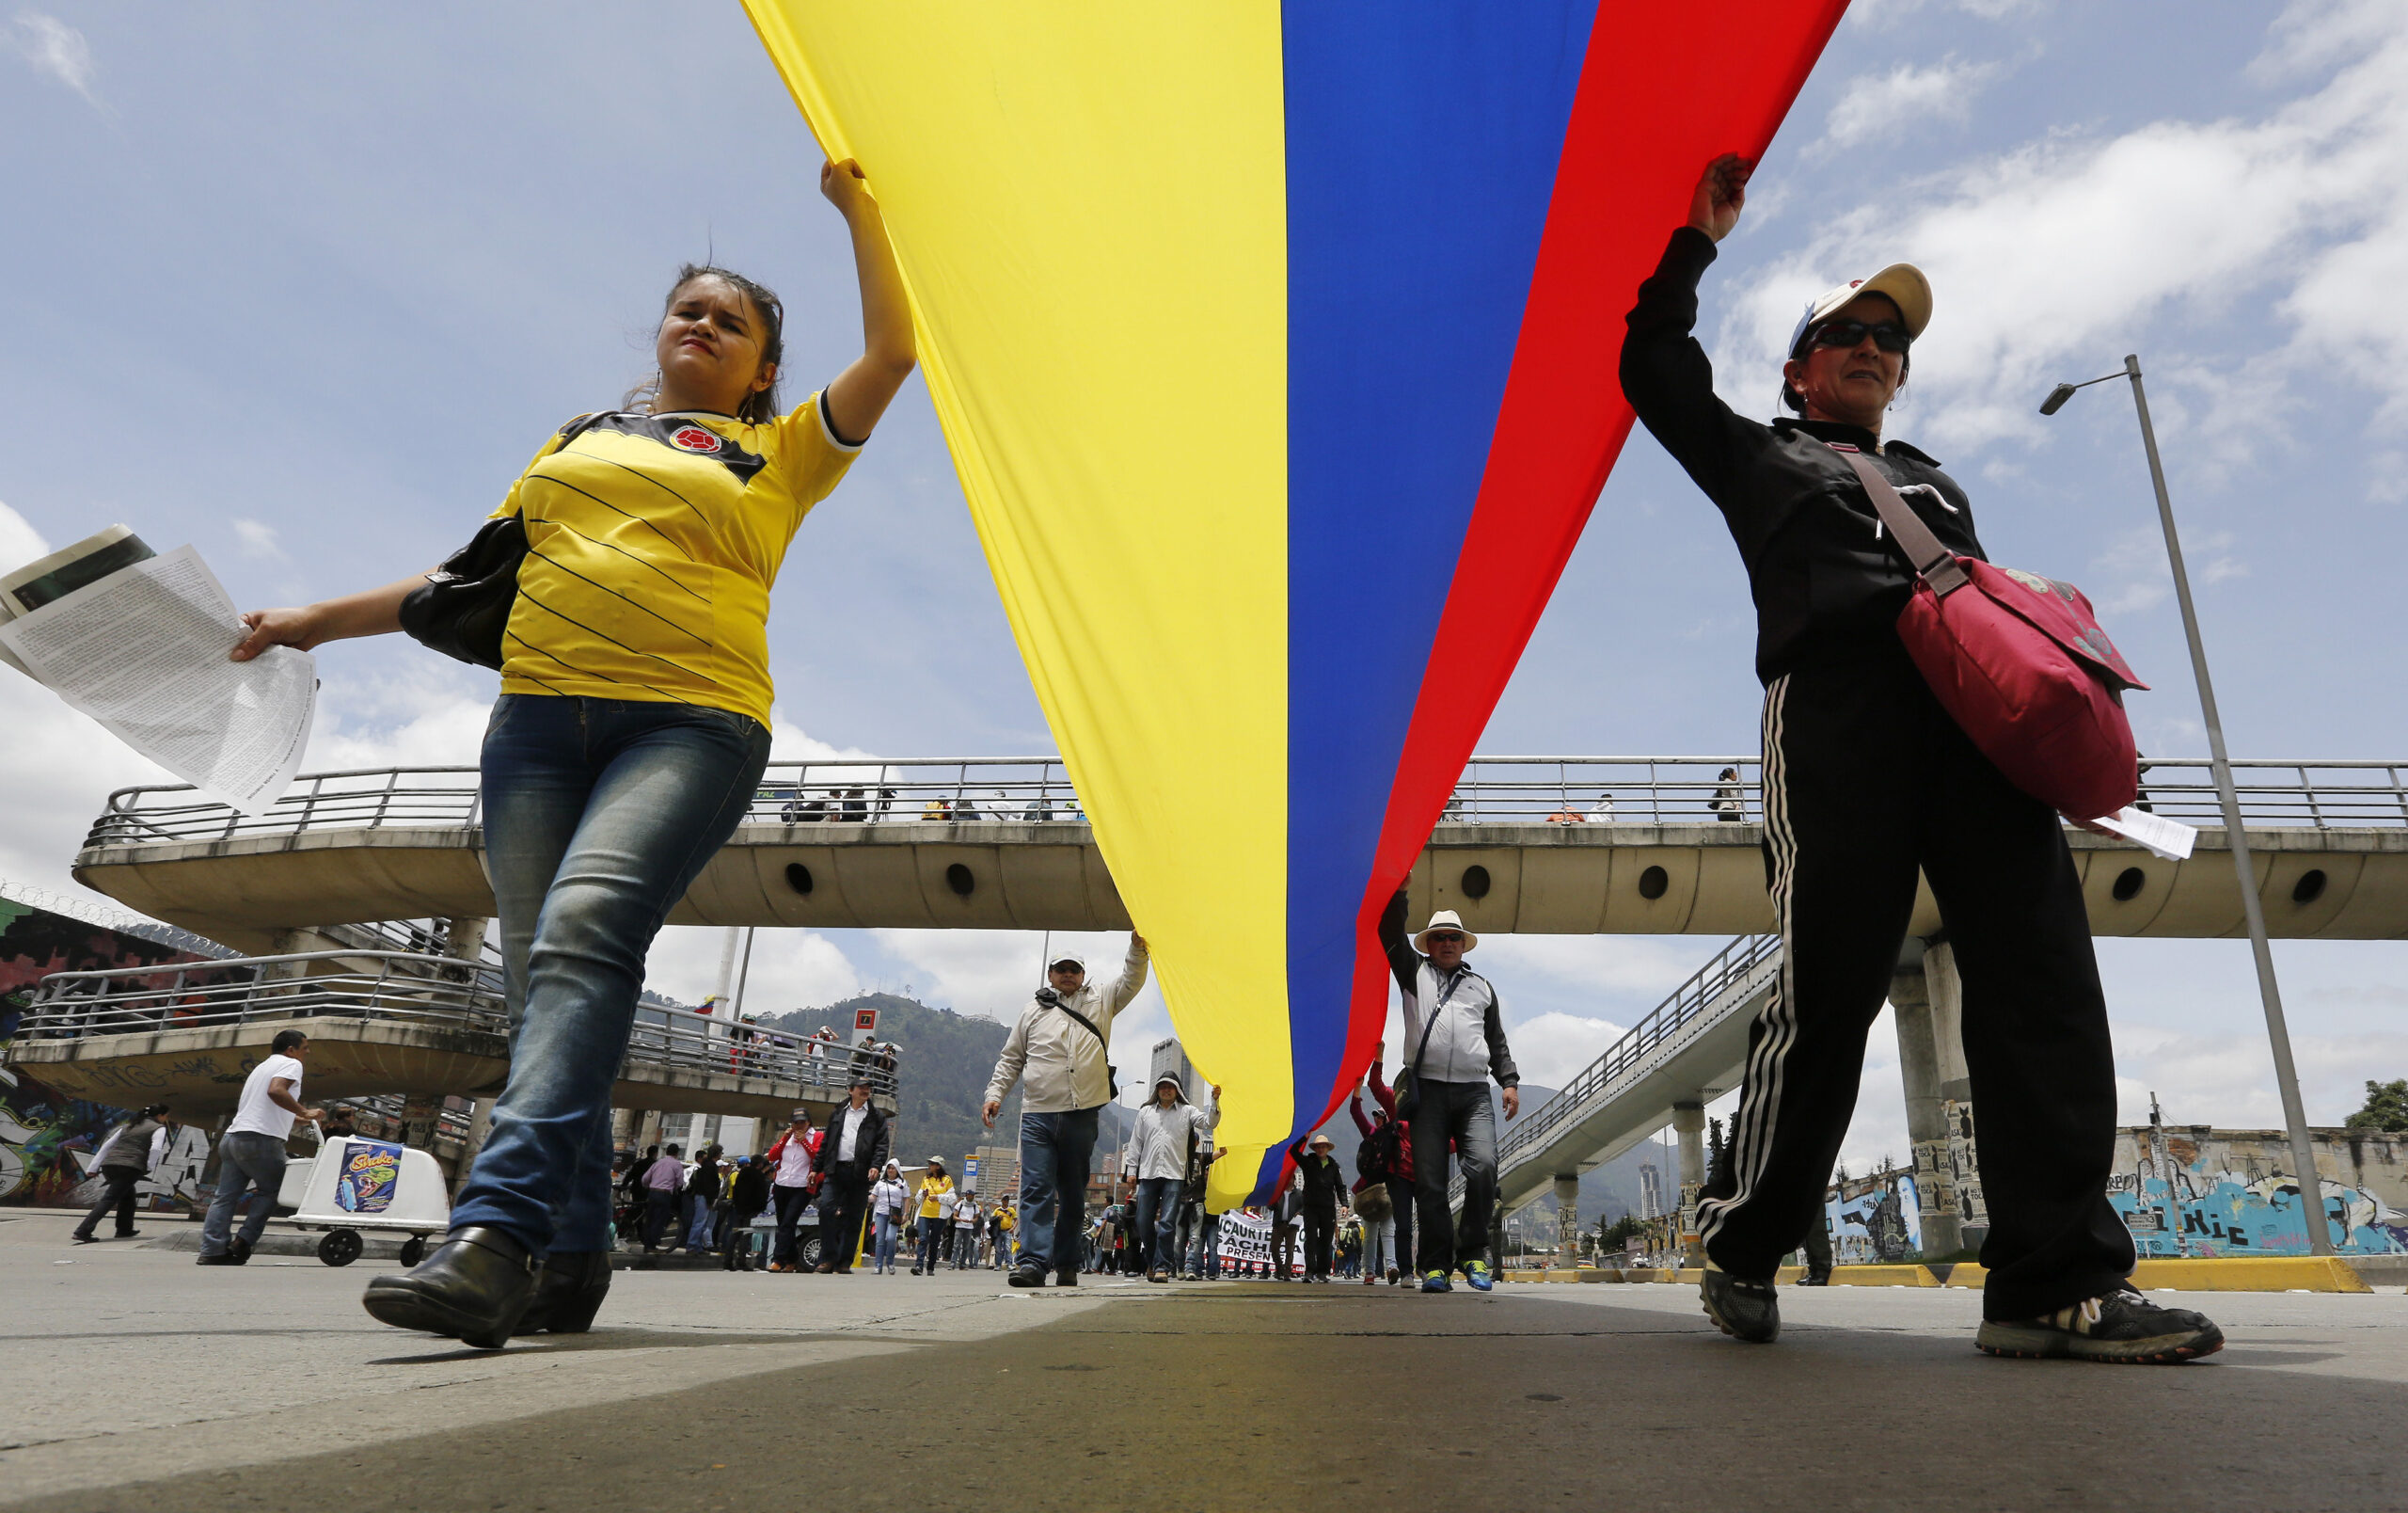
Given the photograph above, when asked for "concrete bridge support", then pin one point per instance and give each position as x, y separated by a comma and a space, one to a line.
1567, 1218
1688, 1122
1927, 999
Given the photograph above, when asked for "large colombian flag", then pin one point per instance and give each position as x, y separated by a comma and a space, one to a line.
1276, 346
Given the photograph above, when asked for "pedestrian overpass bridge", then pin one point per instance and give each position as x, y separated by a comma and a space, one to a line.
1529, 845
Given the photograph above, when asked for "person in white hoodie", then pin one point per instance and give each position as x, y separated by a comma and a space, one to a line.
1058, 1049
1156, 1158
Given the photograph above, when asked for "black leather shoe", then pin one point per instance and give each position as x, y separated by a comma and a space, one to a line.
474, 1288
239, 1248
1065, 1279
223, 1258
568, 1293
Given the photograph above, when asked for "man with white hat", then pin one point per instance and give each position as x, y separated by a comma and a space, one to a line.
1455, 1023
1870, 786
1058, 1048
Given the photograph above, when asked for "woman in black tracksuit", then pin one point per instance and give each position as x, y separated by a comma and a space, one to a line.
1866, 781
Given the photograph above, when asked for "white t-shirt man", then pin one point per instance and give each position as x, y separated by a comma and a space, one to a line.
259, 1114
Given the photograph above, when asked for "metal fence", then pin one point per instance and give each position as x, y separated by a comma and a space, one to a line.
2321, 795
402, 987
1736, 968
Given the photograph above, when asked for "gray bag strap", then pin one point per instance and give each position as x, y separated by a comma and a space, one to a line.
1933, 563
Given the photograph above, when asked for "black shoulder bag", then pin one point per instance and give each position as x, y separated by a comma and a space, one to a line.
464, 606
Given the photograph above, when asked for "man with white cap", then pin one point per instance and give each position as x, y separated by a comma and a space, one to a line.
1454, 1024
1058, 1048
1868, 787
1161, 1149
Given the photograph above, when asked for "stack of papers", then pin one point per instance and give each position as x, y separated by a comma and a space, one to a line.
139, 642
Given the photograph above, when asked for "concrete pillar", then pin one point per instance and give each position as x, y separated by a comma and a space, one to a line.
1688, 1122
1567, 1219
1927, 999
480, 1125
1957, 1091
463, 939
1919, 1069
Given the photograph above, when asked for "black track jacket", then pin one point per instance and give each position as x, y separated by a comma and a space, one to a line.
1827, 582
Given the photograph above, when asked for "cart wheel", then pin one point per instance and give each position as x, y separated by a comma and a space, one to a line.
414, 1250
341, 1247
806, 1255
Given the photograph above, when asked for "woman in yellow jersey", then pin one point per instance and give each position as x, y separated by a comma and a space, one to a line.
630, 737
936, 1187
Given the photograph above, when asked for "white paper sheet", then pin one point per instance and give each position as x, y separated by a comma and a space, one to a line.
143, 651
2169, 838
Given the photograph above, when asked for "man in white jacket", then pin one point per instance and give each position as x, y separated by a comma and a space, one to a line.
1058, 1049
1169, 1130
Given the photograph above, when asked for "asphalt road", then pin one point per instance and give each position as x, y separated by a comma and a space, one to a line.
145, 1382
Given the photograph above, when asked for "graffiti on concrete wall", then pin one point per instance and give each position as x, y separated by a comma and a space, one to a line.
1874, 1219
47, 1139
2229, 1212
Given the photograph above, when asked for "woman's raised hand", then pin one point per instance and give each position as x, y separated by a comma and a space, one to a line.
1721, 193
845, 186
275, 628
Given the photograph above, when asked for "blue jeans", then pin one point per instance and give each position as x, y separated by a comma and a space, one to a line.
245, 1159
598, 814
1212, 1232
698, 1225
1461, 1112
886, 1238
1055, 1153
1153, 1228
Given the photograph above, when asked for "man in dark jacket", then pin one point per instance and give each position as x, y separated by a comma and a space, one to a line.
852, 1150
1454, 1029
125, 1160
746, 1195
1324, 1179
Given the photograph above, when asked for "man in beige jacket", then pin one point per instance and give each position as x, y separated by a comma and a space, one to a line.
1058, 1051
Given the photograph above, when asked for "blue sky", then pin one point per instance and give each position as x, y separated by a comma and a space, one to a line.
305, 287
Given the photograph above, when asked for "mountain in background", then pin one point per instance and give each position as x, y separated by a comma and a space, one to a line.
942, 1061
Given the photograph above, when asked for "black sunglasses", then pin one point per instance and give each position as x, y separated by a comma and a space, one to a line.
1887, 337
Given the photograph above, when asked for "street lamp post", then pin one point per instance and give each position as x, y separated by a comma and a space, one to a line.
2311, 1190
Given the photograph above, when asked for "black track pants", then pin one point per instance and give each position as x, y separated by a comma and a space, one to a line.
1867, 778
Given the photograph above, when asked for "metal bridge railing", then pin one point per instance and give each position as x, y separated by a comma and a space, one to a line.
2322, 795
1727, 972
402, 987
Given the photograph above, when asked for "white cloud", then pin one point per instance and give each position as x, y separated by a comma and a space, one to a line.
1888, 13
2052, 260
19, 543
56, 49
789, 969
1552, 1048
257, 539
1877, 105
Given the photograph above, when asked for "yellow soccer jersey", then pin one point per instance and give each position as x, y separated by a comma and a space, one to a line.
652, 544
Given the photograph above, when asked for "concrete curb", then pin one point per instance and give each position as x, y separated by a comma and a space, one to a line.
2269, 1273
2252, 1273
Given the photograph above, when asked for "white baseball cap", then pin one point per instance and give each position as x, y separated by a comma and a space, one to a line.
1902, 283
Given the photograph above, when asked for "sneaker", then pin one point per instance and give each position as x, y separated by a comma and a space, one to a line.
1025, 1277
1392, 1276
1437, 1281
2121, 1326
1158, 1275
1816, 1278
1749, 1311
1476, 1272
